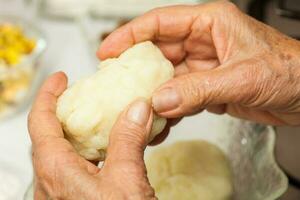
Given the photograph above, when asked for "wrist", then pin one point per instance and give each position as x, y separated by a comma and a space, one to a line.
290, 59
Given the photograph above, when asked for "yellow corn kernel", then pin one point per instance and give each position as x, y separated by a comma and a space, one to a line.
11, 57
14, 44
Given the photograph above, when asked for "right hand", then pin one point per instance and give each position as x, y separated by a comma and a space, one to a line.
226, 62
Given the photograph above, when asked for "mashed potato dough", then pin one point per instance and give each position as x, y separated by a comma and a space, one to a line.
89, 108
190, 170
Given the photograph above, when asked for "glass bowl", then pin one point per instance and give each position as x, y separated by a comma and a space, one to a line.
27, 65
249, 147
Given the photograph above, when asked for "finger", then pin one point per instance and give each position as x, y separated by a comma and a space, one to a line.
190, 66
162, 25
181, 69
42, 121
173, 51
91, 167
217, 109
197, 65
193, 92
174, 122
60, 169
130, 134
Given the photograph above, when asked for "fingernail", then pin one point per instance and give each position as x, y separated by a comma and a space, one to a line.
139, 112
166, 100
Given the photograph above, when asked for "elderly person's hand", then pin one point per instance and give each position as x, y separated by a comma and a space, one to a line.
226, 62
60, 173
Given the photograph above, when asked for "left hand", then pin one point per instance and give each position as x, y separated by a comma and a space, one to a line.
225, 62
60, 173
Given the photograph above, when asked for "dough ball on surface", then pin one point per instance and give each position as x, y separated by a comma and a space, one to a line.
90, 107
190, 170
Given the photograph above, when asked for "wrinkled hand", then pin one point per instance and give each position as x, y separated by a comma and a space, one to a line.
226, 62
60, 173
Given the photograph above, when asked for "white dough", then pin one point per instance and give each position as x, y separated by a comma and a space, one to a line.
190, 170
89, 108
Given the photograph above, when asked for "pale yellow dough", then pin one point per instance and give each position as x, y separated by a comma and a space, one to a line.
190, 170
90, 107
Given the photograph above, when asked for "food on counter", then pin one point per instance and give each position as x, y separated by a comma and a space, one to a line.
89, 108
13, 89
190, 170
14, 44
15, 73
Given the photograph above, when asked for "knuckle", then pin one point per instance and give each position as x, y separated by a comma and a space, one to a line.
130, 133
130, 126
224, 7
191, 92
257, 87
228, 6
221, 7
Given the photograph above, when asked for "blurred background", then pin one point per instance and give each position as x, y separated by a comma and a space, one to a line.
63, 35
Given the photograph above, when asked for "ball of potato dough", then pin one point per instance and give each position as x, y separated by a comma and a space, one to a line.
190, 170
90, 107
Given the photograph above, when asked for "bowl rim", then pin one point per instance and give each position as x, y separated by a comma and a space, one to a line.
284, 180
32, 30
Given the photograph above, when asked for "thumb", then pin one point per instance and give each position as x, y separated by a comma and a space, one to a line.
130, 134
190, 93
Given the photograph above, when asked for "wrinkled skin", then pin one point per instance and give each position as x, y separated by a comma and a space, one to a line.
226, 62
60, 173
